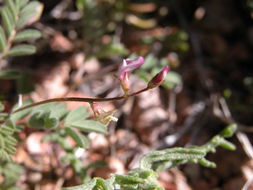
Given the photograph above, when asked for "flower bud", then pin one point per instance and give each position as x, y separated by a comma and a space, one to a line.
158, 78
124, 70
125, 83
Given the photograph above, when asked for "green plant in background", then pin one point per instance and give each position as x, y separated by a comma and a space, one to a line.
14, 41
61, 124
16, 15
101, 18
11, 172
15, 38
145, 177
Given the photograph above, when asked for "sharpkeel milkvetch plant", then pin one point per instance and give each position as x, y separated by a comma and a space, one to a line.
61, 123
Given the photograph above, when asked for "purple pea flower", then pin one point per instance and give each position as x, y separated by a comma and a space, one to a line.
158, 78
127, 66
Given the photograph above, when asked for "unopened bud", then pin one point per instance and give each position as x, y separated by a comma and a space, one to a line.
158, 78
125, 83
127, 66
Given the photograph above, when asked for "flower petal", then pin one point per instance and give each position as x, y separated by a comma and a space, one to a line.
129, 65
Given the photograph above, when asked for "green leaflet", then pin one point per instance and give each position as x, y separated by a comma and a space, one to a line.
173, 155
229, 131
19, 115
1, 107
58, 111
28, 34
21, 3
13, 8
7, 20
77, 114
11, 173
126, 179
206, 163
87, 186
80, 139
89, 126
42, 119
30, 14
20, 50
2, 39
49, 121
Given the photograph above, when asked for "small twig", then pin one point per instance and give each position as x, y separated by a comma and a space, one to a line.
225, 115
246, 144
172, 107
242, 137
78, 76
198, 108
58, 9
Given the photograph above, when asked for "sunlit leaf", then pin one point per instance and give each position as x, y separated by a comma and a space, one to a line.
79, 113
30, 14
20, 50
89, 126
7, 20
12, 7
29, 34
2, 39
21, 114
21, 3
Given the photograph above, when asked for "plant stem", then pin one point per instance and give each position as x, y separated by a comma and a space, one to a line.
75, 99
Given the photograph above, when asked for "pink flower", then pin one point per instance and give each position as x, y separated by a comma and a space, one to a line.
158, 78
124, 70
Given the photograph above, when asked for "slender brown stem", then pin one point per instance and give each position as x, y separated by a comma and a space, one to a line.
74, 99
